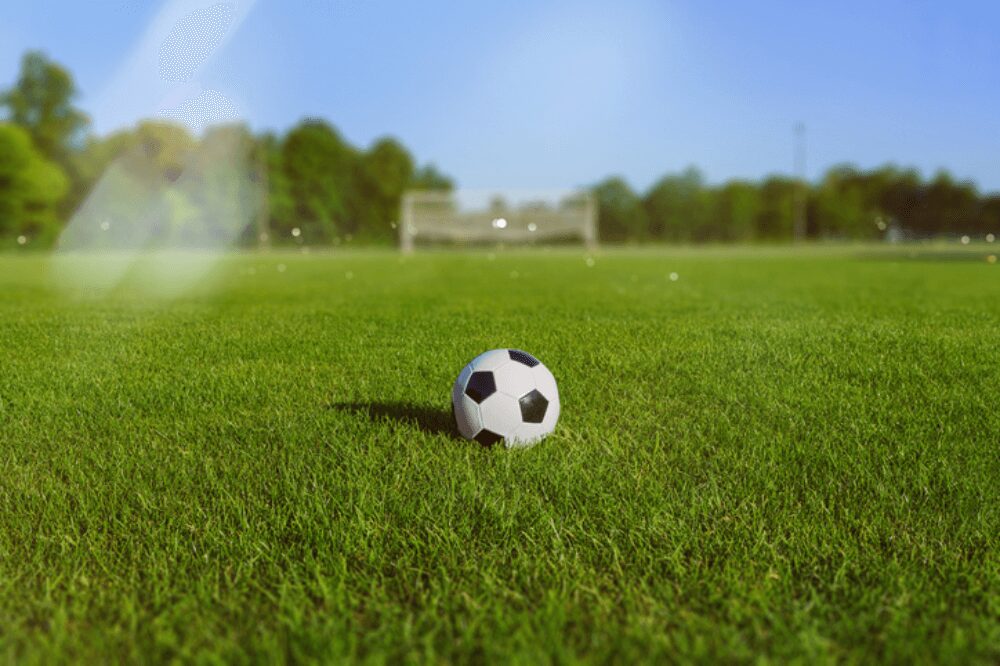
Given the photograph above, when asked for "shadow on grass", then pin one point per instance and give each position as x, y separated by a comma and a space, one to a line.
428, 419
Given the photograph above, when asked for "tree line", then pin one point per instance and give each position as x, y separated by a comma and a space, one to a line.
847, 203
317, 187
321, 189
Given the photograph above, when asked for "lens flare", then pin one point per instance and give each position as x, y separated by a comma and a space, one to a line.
186, 187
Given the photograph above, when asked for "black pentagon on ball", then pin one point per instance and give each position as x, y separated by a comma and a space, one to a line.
523, 357
481, 386
533, 406
487, 437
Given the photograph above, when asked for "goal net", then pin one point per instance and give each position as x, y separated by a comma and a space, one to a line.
469, 217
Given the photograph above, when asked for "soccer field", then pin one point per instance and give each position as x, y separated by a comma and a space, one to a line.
789, 453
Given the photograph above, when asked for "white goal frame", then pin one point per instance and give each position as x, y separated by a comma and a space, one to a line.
498, 217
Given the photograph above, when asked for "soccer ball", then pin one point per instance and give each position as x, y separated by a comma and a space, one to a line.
505, 395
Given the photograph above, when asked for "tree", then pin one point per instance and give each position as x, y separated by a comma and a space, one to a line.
30, 188
843, 205
136, 161
951, 206
386, 172
678, 207
989, 215
775, 219
322, 170
223, 182
428, 177
621, 215
41, 102
279, 204
737, 204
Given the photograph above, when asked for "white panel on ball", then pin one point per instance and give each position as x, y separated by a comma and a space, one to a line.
501, 414
490, 360
467, 416
551, 416
529, 433
459, 387
515, 379
545, 382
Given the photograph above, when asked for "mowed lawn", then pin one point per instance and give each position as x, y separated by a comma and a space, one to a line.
788, 453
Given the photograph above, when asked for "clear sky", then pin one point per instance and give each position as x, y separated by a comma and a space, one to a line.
552, 93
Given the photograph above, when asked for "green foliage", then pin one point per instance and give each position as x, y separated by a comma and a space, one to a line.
678, 207
332, 191
322, 175
157, 151
386, 172
782, 457
126, 175
429, 178
842, 206
776, 218
621, 215
846, 204
30, 189
950, 204
735, 211
279, 209
41, 102
313, 179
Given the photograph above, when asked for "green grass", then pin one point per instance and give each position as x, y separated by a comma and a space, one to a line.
788, 454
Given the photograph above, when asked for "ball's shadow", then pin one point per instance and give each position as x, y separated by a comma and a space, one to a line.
428, 419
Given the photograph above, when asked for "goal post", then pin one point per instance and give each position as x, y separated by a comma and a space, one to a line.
514, 217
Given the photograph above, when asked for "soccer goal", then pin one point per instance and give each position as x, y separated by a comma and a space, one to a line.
471, 217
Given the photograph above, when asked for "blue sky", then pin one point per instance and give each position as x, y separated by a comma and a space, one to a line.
549, 93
